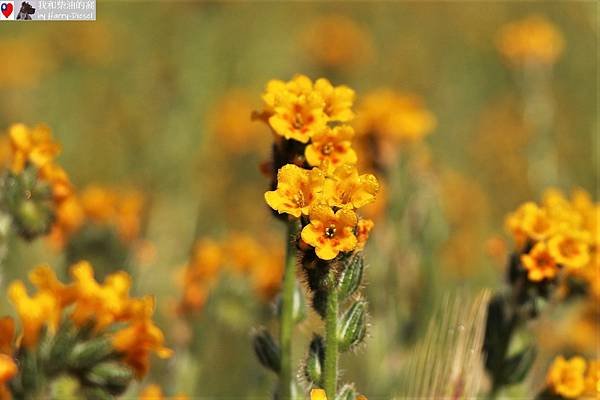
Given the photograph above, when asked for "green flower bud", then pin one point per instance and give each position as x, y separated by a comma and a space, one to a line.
266, 350
96, 393
112, 376
351, 274
313, 368
353, 326
89, 353
347, 392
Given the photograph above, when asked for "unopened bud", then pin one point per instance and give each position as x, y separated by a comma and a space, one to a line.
347, 392
313, 368
353, 326
351, 274
89, 353
114, 377
267, 350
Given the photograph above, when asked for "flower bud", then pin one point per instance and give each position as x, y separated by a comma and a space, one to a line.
353, 326
114, 377
347, 392
313, 368
266, 350
351, 274
89, 353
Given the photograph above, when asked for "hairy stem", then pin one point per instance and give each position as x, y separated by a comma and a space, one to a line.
331, 342
286, 318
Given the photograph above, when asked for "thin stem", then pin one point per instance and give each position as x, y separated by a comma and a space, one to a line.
286, 318
331, 343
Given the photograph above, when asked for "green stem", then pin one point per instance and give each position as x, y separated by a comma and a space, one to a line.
286, 318
331, 342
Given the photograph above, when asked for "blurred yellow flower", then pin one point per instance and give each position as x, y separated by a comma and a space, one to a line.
533, 39
345, 187
329, 232
31, 145
337, 41
8, 369
154, 392
363, 230
297, 190
566, 377
140, 338
319, 394
592, 379
539, 263
570, 249
394, 116
331, 148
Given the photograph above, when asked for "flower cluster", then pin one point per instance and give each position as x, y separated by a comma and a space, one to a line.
559, 233
83, 327
154, 392
326, 188
38, 189
240, 254
533, 39
574, 378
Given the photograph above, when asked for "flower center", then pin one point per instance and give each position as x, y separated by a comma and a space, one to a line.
330, 231
327, 148
569, 248
299, 198
298, 121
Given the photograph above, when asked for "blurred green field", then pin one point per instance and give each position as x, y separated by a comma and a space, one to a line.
134, 100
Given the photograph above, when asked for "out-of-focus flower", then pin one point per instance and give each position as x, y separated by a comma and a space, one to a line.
566, 377
331, 148
592, 379
297, 190
363, 230
345, 187
31, 145
394, 116
329, 232
539, 263
140, 338
530, 40
154, 392
30, 61
337, 41
8, 367
231, 125
571, 249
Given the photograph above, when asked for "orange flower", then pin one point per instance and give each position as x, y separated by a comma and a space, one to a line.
571, 249
566, 377
329, 232
31, 145
338, 100
297, 190
345, 187
331, 147
539, 263
363, 229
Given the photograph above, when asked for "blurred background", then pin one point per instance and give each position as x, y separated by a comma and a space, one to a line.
155, 97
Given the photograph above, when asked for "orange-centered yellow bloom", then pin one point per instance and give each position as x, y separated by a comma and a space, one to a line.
566, 377
297, 190
329, 232
295, 109
363, 230
345, 187
338, 100
331, 147
34, 146
570, 250
539, 263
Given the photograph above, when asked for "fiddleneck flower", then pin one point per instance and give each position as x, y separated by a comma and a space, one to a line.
330, 233
297, 190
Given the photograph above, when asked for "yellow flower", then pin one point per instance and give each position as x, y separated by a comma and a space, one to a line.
531, 39
330, 233
570, 249
295, 110
566, 377
331, 148
140, 338
347, 188
319, 394
7, 334
297, 190
35, 312
363, 230
592, 379
103, 304
34, 146
154, 392
536, 223
338, 100
539, 263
